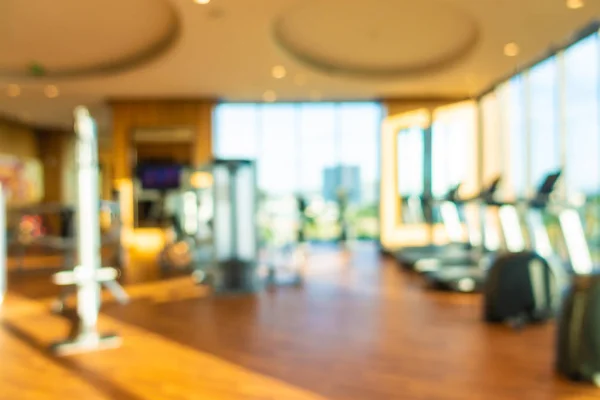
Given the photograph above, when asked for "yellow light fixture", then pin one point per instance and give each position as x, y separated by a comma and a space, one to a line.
575, 4
13, 90
269, 96
278, 72
300, 80
51, 91
511, 49
201, 180
201, 1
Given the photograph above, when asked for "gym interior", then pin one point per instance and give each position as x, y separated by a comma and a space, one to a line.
214, 199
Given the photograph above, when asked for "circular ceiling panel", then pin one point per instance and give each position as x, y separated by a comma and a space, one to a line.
376, 37
82, 37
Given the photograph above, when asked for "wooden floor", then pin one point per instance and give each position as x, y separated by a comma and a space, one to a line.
359, 329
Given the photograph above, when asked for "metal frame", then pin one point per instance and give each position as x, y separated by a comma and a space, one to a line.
88, 275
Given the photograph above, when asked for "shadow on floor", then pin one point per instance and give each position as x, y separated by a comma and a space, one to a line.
106, 386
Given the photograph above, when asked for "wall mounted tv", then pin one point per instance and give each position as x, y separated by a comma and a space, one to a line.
160, 176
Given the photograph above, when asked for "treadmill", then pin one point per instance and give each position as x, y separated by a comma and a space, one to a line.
409, 256
578, 255
426, 258
470, 278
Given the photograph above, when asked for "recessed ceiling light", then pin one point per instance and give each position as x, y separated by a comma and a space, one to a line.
575, 4
278, 72
51, 91
201, 1
300, 80
511, 49
269, 96
13, 90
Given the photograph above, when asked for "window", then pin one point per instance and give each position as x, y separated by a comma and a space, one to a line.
359, 146
493, 147
581, 112
511, 98
277, 166
440, 179
411, 174
358, 139
582, 173
411, 160
454, 149
543, 123
237, 127
317, 150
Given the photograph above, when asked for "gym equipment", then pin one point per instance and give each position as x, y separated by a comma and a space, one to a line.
409, 257
452, 221
525, 286
88, 275
285, 256
191, 247
30, 231
470, 276
230, 193
578, 336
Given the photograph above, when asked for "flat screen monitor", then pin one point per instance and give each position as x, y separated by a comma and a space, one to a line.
160, 176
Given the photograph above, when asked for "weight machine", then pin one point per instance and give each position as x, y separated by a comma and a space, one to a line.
218, 212
217, 234
88, 275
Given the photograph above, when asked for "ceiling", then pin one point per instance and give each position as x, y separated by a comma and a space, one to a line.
94, 50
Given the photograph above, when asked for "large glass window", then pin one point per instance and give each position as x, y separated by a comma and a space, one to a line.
318, 147
582, 120
237, 126
493, 149
411, 154
581, 113
358, 139
357, 121
454, 149
511, 97
319, 175
325, 152
277, 166
543, 114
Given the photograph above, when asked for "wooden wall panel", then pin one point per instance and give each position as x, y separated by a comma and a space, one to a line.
18, 140
51, 157
177, 152
128, 115
56, 149
398, 106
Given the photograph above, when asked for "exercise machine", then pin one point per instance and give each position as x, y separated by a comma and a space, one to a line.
456, 253
526, 286
285, 254
88, 275
470, 277
410, 256
227, 258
